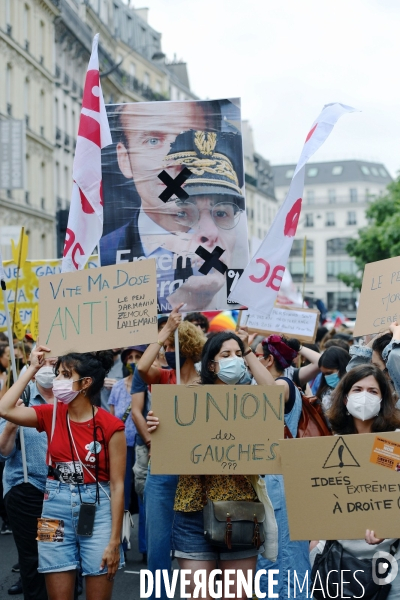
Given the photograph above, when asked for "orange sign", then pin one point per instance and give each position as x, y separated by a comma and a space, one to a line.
386, 453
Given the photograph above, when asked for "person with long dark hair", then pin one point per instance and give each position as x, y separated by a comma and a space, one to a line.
332, 364
363, 402
84, 498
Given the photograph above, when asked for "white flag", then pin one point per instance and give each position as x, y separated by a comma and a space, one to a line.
85, 219
260, 282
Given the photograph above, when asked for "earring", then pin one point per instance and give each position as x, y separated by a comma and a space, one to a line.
84, 392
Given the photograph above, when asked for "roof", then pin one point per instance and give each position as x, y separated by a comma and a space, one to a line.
339, 171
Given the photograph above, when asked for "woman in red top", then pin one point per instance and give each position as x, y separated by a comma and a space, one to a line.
84, 499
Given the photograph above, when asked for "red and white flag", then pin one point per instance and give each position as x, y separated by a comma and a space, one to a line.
85, 220
261, 280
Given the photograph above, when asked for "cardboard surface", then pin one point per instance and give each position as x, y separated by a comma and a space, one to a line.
300, 323
334, 491
108, 307
379, 303
28, 285
217, 429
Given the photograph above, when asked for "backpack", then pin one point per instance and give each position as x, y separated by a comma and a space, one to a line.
312, 422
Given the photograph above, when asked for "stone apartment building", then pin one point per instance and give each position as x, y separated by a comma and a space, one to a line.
336, 195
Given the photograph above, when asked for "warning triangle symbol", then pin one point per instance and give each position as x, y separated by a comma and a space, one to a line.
340, 456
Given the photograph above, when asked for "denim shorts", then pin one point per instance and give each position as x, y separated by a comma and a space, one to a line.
66, 550
188, 540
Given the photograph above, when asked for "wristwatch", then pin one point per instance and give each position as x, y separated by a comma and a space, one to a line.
248, 351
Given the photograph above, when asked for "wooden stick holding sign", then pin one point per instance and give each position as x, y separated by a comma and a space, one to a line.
13, 362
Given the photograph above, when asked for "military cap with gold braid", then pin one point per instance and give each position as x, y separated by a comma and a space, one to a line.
215, 159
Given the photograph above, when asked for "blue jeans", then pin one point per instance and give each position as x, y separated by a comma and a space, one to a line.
159, 495
62, 549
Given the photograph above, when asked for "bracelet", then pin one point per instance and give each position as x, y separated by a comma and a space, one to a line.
160, 343
248, 351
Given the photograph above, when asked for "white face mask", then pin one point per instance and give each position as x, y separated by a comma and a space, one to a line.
45, 377
363, 405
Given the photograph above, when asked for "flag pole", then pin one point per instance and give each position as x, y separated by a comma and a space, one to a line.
14, 370
177, 358
304, 266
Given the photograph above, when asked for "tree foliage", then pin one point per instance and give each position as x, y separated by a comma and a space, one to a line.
381, 238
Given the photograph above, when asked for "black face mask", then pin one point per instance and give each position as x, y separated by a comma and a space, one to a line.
171, 362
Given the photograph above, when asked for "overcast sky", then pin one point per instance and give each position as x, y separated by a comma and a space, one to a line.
286, 59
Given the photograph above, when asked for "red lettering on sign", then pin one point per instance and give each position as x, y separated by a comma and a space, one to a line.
266, 272
276, 276
292, 219
77, 248
69, 240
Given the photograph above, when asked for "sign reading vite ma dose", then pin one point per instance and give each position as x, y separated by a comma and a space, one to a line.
97, 309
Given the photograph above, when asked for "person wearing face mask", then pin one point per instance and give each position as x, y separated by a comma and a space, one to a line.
24, 500
115, 374
363, 403
224, 361
332, 364
276, 355
120, 406
383, 350
83, 501
159, 491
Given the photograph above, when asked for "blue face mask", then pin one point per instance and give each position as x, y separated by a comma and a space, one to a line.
171, 359
332, 380
231, 370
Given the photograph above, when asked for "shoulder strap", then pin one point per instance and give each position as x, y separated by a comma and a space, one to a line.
394, 546
126, 414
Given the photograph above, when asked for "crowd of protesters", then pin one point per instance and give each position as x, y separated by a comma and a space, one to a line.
88, 428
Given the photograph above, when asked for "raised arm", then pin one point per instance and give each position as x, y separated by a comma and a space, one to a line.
260, 373
9, 406
147, 372
309, 371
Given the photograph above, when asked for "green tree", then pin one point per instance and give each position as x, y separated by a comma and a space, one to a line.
381, 238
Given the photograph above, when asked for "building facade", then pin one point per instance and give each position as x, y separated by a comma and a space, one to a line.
45, 48
336, 195
261, 203
27, 89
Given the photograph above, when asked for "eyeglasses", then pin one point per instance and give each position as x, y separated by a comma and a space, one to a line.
225, 215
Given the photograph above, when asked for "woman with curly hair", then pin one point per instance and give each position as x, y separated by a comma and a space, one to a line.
84, 499
159, 492
222, 363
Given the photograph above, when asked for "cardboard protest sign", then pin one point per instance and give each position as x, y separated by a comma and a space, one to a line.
110, 307
300, 323
337, 487
173, 188
28, 285
217, 429
379, 303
